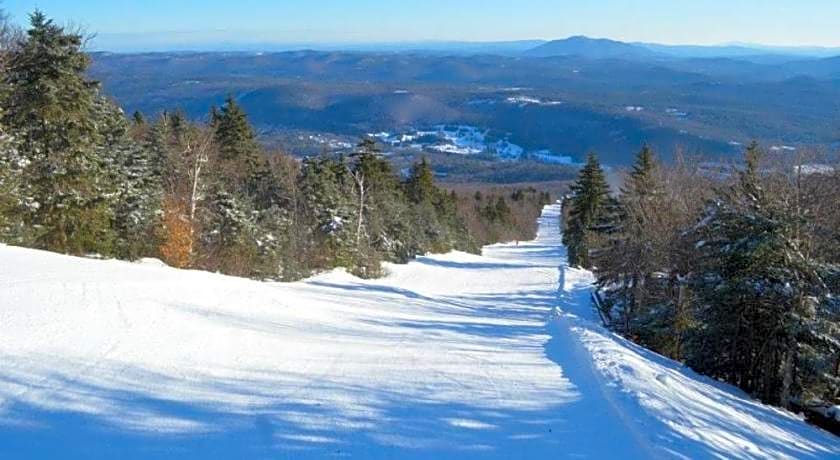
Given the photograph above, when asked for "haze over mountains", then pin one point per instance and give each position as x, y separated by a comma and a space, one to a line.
580, 45
566, 97
600, 47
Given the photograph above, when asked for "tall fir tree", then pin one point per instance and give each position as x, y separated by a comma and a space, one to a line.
51, 105
158, 142
590, 197
636, 269
137, 203
11, 188
230, 238
234, 135
327, 194
242, 158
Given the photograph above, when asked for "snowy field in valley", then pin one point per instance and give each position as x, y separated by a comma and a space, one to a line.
466, 140
454, 356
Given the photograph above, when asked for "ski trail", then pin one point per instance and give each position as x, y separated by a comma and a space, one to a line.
453, 356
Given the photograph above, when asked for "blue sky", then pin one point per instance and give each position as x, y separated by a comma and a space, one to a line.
160, 23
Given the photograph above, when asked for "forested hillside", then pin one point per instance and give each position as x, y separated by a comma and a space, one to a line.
79, 177
566, 104
733, 270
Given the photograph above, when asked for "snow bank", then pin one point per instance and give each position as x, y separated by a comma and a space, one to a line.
678, 412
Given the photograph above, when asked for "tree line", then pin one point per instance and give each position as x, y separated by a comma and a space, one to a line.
734, 270
77, 176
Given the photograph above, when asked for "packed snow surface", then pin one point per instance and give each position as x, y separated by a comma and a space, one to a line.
454, 356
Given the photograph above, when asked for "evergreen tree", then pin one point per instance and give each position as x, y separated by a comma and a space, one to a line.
439, 228
137, 204
177, 122
760, 299
327, 193
214, 117
11, 188
590, 196
242, 158
51, 105
420, 186
234, 135
138, 118
631, 255
230, 235
421, 192
429, 209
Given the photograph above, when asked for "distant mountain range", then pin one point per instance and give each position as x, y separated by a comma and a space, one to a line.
592, 48
599, 48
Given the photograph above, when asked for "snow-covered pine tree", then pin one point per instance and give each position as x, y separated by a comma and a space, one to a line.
51, 106
242, 159
11, 164
243, 169
762, 302
229, 236
420, 185
438, 228
11, 188
137, 203
327, 194
590, 196
157, 141
422, 195
633, 263
236, 138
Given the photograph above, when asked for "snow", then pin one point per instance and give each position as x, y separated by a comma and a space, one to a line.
465, 140
701, 417
508, 151
547, 156
335, 224
462, 139
482, 102
452, 356
816, 168
332, 143
676, 112
524, 101
458, 139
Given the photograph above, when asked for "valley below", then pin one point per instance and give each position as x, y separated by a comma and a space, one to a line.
550, 107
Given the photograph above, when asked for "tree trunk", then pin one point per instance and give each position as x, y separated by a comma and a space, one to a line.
360, 181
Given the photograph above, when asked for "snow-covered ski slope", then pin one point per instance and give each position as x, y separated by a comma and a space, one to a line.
453, 356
